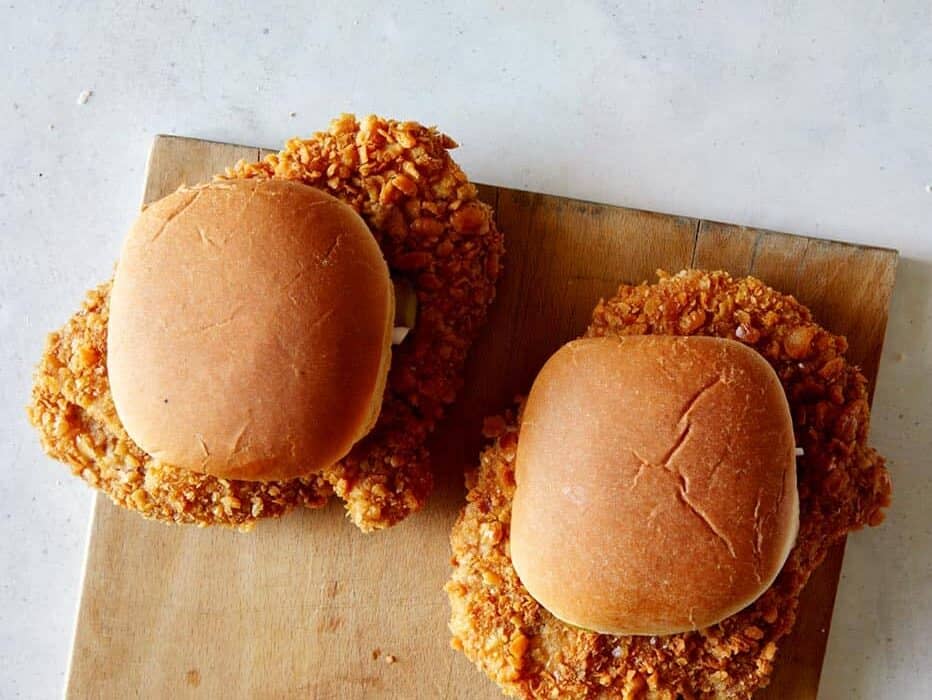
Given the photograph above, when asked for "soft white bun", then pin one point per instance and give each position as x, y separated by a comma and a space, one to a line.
656, 483
250, 329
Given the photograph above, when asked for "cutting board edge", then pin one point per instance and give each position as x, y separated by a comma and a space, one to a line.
84, 591
577, 200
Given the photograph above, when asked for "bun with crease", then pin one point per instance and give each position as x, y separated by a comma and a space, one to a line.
655, 483
250, 330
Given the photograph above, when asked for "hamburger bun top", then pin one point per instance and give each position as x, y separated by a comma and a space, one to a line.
655, 483
250, 329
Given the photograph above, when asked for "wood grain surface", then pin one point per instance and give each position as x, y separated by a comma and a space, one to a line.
309, 607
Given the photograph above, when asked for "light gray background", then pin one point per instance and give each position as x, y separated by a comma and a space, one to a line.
807, 117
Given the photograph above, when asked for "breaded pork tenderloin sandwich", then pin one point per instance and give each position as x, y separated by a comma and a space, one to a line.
643, 525
289, 331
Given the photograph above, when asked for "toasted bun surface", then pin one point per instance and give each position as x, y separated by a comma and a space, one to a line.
250, 329
655, 483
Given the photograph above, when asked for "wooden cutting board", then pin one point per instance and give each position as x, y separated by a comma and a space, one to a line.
308, 606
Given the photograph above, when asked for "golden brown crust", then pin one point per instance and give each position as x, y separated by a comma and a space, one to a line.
431, 228
843, 486
73, 411
655, 483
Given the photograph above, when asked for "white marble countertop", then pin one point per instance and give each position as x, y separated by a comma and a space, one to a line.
807, 117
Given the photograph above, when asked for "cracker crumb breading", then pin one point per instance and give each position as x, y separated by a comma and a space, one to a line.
432, 229
843, 486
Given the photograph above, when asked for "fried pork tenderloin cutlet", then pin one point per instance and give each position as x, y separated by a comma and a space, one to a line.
842, 483
432, 230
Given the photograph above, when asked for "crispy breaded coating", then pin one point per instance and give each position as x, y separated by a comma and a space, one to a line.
843, 486
73, 410
432, 229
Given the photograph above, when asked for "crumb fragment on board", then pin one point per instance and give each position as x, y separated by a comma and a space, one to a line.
376, 653
84, 96
390, 659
